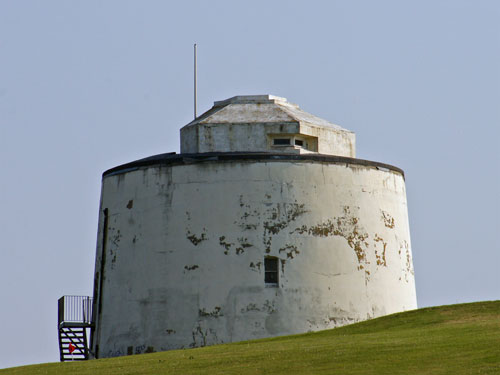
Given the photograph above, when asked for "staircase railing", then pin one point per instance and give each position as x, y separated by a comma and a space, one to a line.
75, 309
74, 318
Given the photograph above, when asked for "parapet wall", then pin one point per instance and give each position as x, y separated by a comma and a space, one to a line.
185, 242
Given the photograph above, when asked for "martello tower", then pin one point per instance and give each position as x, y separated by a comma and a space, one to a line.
265, 224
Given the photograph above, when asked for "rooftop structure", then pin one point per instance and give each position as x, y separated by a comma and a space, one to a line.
264, 123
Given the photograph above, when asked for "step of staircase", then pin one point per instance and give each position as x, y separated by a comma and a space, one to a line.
75, 337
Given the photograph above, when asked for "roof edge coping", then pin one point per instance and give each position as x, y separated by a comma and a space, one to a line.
254, 99
188, 158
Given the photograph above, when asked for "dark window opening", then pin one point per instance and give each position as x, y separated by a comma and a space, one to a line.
299, 142
271, 271
281, 141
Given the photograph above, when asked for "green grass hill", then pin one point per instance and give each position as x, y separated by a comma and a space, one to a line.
456, 339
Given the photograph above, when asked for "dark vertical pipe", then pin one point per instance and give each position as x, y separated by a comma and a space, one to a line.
101, 276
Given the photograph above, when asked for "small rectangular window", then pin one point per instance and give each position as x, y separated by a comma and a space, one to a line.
299, 142
281, 141
271, 271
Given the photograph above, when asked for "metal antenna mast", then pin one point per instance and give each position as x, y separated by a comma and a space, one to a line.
195, 86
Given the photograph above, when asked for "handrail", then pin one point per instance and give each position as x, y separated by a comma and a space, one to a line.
75, 309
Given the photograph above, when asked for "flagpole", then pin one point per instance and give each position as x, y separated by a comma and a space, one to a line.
195, 83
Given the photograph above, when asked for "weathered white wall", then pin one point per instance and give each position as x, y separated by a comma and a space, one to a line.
255, 138
332, 141
186, 245
245, 123
239, 137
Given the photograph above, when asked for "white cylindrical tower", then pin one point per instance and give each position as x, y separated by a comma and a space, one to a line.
264, 225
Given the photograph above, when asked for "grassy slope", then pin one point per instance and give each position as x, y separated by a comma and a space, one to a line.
457, 339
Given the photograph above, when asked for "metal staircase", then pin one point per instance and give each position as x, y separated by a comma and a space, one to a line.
74, 319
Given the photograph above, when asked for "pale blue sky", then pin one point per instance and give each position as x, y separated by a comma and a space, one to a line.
87, 85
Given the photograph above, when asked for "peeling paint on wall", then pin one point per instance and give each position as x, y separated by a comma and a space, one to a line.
278, 217
215, 313
405, 255
239, 248
387, 219
381, 260
291, 251
196, 236
196, 239
347, 227
255, 266
202, 336
281, 215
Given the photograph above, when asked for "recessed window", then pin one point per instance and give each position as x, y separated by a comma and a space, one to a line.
281, 141
299, 142
271, 271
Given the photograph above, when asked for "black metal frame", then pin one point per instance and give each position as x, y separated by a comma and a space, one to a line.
75, 309
74, 317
